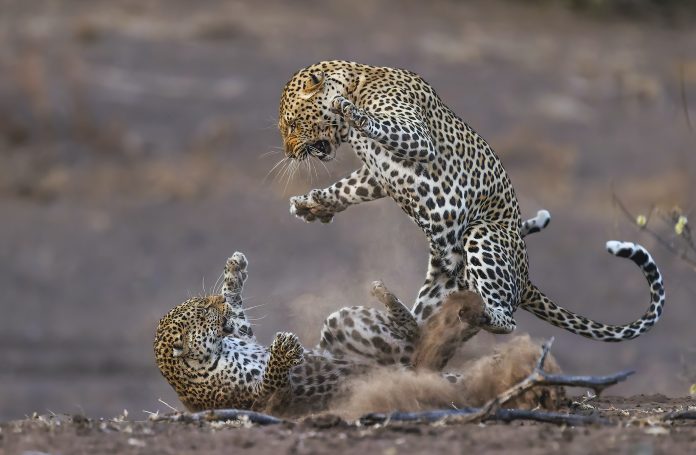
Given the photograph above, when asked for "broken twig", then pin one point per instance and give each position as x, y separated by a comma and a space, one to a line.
596, 383
539, 377
500, 415
219, 415
680, 415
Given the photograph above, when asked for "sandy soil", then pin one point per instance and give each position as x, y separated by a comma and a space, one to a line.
132, 136
636, 429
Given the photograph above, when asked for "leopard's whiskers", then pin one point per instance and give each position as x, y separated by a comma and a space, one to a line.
279, 163
219, 282
314, 168
270, 152
293, 169
306, 168
325, 167
310, 168
254, 306
284, 170
273, 123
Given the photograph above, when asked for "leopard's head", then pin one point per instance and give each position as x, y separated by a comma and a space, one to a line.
193, 332
307, 124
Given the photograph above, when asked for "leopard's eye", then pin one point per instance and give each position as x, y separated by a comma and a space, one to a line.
292, 124
177, 349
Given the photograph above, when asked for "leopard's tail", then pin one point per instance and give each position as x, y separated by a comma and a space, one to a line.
537, 303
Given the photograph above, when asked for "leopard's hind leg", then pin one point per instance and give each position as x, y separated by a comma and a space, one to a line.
371, 335
439, 281
401, 320
496, 268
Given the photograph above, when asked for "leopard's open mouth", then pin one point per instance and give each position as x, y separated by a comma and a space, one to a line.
321, 149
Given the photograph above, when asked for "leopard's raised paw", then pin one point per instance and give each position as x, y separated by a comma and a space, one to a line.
237, 262
235, 273
287, 346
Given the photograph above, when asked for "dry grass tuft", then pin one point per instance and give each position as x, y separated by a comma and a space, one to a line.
391, 389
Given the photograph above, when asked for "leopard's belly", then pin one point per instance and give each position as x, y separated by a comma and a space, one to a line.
441, 215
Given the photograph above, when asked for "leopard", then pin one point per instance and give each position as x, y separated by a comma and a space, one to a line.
415, 150
206, 350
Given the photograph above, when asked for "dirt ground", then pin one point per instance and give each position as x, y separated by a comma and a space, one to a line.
135, 141
636, 429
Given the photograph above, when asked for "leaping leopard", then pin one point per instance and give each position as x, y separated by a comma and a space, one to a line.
446, 178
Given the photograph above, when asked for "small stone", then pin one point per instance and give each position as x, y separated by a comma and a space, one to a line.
136, 442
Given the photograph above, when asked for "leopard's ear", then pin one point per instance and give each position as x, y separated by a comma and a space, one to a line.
313, 84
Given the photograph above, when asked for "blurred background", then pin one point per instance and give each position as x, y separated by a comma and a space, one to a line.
134, 153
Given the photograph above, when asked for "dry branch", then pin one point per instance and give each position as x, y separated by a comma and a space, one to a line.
219, 415
508, 415
680, 415
500, 415
596, 383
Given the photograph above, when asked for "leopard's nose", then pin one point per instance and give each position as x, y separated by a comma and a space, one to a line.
291, 146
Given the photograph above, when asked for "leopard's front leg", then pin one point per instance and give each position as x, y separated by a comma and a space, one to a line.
323, 204
404, 133
285, 353
235, 275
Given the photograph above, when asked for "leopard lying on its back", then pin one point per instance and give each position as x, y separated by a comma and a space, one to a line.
415, 150
206, 349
